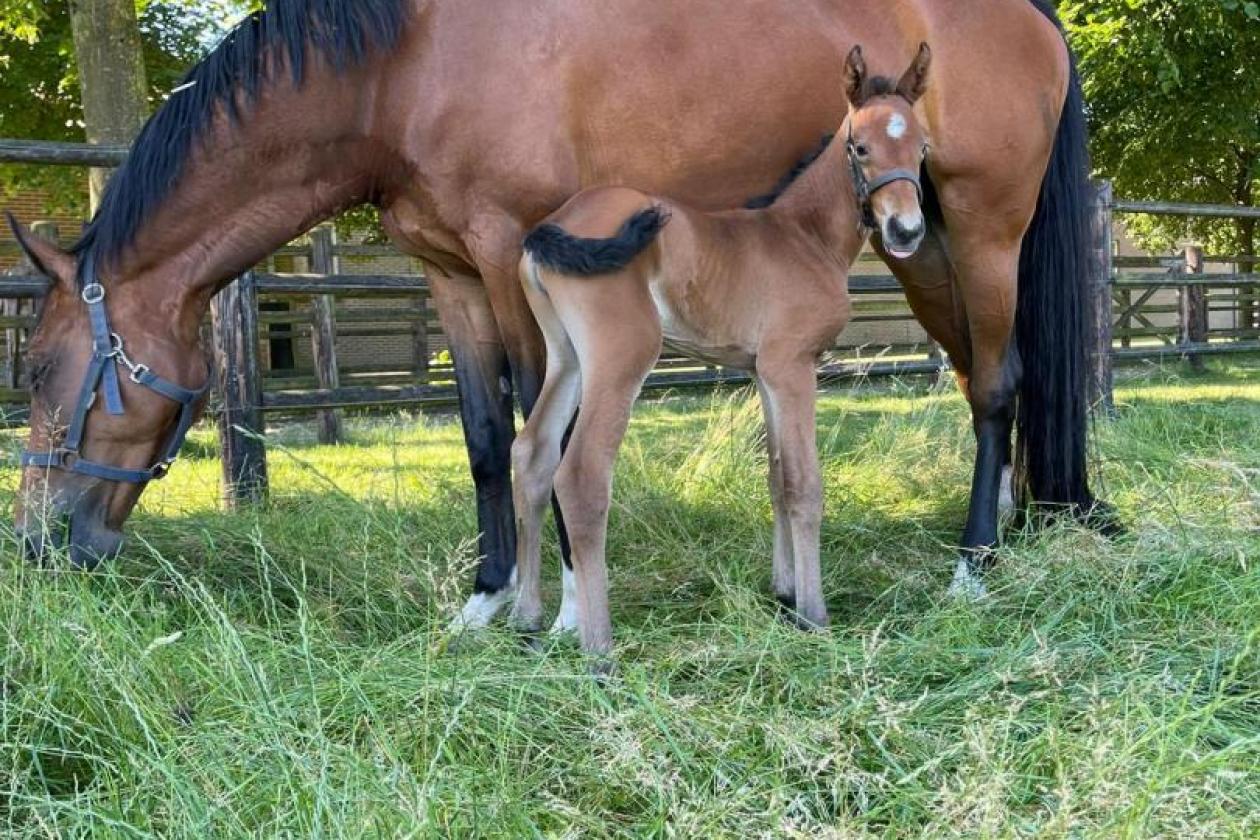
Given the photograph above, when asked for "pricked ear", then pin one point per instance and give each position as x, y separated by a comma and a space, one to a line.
854, 75
914, 83
47, 258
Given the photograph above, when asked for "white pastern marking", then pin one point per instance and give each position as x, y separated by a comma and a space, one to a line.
567, 618
897, 127
967, 586
1006, 493
483, 607
480, 610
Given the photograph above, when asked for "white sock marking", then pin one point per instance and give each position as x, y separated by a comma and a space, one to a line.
567, 618
967, 586
482, 607
1006, 494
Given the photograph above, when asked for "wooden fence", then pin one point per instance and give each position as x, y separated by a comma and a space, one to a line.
1151, 307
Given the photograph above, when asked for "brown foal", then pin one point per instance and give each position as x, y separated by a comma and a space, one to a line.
760, 290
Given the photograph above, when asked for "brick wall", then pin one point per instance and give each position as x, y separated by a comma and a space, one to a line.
31, 207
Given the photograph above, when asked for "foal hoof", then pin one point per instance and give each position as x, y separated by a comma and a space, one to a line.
602, 667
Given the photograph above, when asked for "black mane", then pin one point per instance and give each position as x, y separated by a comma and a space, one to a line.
872, 87
287, 33
798, 169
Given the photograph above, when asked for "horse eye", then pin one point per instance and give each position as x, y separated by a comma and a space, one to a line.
861, 150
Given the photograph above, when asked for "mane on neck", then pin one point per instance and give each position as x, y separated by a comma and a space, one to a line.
288, 33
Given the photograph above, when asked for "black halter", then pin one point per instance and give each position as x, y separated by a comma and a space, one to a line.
102, 374
866, 189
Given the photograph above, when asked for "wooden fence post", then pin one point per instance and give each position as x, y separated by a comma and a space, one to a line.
234, 313
324, 335
15, 337
420, 338
1104, 270
1192, 315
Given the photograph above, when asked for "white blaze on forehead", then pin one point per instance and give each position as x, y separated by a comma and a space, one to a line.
896, 126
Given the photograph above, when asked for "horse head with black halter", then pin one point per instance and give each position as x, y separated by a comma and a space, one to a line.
882, 125
88, 483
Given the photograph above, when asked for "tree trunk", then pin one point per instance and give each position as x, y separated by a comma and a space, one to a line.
1248, 299
111, 75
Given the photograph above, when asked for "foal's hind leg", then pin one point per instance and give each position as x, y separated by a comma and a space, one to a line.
617, 336
790, 387
536, 453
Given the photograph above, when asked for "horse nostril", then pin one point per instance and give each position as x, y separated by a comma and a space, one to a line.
901, 232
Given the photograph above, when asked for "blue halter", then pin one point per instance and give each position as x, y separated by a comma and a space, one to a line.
102, 375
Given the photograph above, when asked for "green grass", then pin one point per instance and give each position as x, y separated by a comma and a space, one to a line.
279, 673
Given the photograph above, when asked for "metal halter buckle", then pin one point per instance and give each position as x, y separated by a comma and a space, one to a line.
93, 293
118, 354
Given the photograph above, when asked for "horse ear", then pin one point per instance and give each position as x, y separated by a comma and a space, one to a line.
914, 83
47, 258
854, 75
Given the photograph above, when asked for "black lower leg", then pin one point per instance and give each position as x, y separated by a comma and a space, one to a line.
485, 402
993, 418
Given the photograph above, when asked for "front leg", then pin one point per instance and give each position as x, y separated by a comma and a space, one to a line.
783, 575
789, 397
485, 403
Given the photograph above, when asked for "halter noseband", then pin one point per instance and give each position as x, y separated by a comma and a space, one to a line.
866, 189
102, 374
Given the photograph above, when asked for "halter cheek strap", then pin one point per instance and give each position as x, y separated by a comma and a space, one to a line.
102, 375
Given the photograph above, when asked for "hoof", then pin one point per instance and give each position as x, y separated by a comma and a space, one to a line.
967, 585
531, 641
787, 603
1102, 517
603, 667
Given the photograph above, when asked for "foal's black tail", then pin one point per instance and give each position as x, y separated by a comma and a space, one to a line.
1054, 324
556, 249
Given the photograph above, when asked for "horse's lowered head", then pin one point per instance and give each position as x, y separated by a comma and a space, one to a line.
886, 146
116, 378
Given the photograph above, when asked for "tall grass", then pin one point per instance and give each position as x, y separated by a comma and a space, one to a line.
280, 673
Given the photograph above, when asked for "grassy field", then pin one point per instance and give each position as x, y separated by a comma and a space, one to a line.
281, 673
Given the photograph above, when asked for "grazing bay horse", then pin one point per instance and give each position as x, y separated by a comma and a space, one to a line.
615, 273
468, 121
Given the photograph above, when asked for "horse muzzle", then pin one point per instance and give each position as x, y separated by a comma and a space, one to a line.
902, 237
78, 536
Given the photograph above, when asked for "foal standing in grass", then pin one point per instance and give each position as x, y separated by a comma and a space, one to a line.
615, 273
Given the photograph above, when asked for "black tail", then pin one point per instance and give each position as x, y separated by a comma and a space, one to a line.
1054, 320
555, 248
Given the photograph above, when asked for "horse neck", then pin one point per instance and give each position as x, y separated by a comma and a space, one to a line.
823, 203
295, 158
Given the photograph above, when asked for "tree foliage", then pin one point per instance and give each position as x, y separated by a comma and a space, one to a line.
1174, 95
39, 85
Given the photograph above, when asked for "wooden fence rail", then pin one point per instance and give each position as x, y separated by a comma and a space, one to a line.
1151, 307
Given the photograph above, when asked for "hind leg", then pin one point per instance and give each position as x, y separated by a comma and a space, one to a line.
537, 452
988, 287
617, 337
932, 285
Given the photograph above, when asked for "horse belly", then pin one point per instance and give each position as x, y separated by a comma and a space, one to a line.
682, 337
